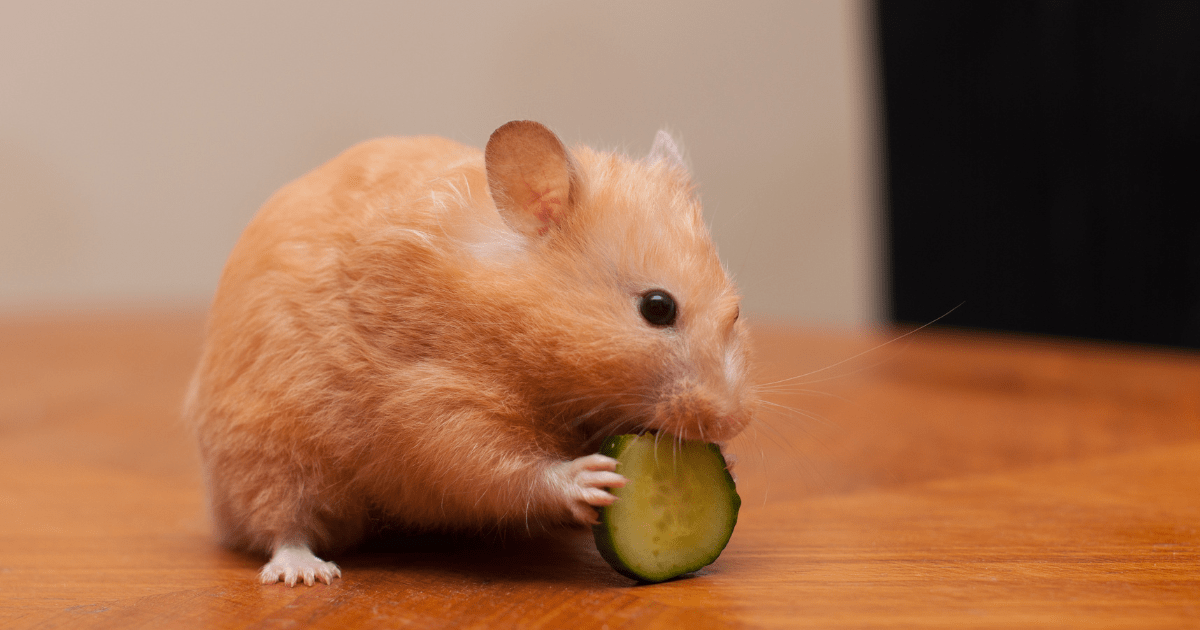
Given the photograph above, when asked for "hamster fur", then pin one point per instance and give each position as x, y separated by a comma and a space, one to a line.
429, 337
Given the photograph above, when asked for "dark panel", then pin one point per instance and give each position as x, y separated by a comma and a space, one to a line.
1042, 165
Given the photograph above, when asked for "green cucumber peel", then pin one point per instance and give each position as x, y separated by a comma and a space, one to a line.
676, 513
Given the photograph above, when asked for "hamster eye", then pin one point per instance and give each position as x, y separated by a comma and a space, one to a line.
658, 307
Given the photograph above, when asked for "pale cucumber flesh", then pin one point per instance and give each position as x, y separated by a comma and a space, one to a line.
677, 511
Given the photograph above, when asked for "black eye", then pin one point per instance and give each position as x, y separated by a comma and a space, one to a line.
658, 307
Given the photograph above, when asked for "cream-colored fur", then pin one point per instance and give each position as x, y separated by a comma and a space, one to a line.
391, 346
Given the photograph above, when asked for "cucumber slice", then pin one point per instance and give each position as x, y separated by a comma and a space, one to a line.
677, 512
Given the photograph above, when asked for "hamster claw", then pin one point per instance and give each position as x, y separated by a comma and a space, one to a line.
296, 563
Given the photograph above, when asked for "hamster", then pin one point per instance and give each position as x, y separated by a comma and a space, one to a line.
419, 335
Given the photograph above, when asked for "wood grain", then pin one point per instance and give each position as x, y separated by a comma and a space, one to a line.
947, 479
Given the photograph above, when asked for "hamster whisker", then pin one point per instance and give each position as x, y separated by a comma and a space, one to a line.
762, 461
801, 465
860, 354
577, 399
763, 393
528, 500
782, 439
605, 430
769, 389
584, 417
595, 396
800, 412
606, 406
779, 386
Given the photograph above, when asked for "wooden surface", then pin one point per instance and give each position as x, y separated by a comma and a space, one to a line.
945, 480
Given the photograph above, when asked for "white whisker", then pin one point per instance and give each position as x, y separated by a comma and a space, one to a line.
864, 352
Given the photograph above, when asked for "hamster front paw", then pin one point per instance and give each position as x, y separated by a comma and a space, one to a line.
583, 482
292, 563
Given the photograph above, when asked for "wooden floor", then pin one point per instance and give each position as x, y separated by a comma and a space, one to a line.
944, 480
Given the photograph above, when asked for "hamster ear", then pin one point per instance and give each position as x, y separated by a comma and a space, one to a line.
665, 149
531, 175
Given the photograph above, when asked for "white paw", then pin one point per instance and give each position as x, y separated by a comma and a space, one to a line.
293, 563
584, 481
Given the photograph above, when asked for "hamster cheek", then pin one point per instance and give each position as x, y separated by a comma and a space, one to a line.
734, 366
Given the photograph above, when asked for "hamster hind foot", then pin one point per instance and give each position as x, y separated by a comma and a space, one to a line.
292, 563
583, 482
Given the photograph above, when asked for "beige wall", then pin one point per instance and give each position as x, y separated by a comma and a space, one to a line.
137, 138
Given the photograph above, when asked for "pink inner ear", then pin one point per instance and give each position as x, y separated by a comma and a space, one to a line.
542, 195
530, 174
546, 206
